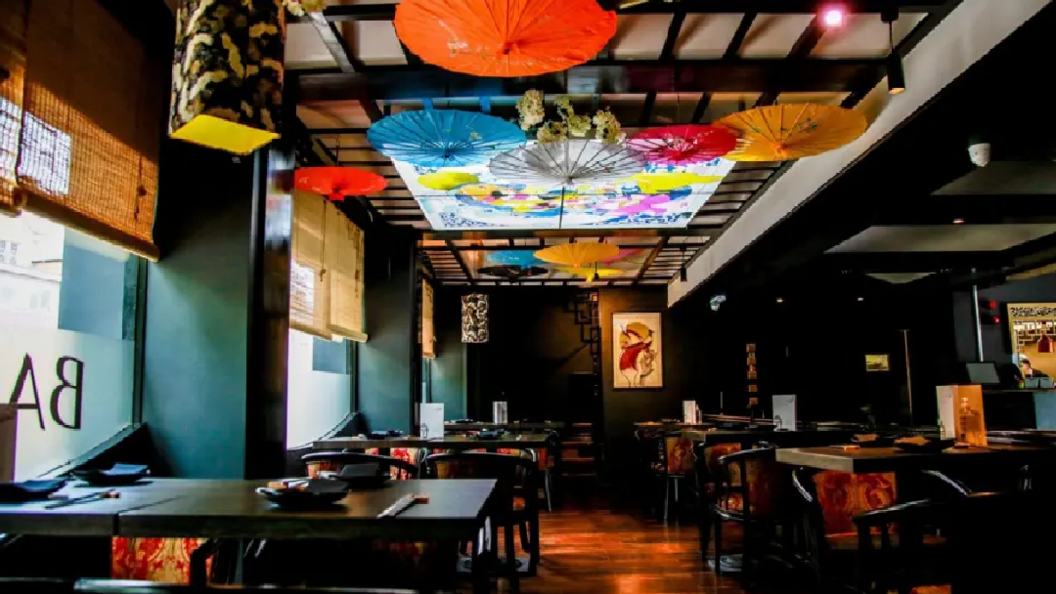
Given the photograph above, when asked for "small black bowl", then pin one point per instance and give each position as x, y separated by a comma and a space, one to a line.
118, 476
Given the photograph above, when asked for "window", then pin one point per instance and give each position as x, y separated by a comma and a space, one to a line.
319, 386
72, 373
46, 151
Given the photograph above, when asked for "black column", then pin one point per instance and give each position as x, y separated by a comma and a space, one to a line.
385, 371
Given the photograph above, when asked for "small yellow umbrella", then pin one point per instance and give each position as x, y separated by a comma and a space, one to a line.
791, 131
447, 180
577, 255
658, 183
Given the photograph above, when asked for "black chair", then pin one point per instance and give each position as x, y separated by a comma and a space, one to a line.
99, 586
515, 483
867, 562
750, 489
341, 459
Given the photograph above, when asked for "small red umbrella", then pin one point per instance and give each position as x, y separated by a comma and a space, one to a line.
337, 182
683, 145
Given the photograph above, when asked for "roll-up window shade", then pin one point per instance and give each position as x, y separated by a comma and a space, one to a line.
12, 70
326, 277
343, 254
309, 292
93, 107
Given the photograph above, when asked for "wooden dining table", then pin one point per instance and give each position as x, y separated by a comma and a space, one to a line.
231, 509
513, 426
448, 442
891, 459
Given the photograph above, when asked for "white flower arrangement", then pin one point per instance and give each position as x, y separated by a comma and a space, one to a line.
531, 108
302, 7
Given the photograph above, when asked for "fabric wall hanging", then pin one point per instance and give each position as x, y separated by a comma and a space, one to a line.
683, 145
428, 335
475, 318
227, 73
79, 137
337, 182
443, 137
791, 131
504, 37
579, 254
567, 163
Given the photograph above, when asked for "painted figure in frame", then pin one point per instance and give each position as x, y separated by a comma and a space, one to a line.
637, 354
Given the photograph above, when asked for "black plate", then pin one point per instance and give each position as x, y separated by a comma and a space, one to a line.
303, 500
29, 490
933, 446
365, 482
102, 478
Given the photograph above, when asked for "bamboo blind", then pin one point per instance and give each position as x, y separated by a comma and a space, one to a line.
326, 280
91, 124
13, 62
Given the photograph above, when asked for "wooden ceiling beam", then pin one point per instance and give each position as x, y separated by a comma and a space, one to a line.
721, 75
387, 12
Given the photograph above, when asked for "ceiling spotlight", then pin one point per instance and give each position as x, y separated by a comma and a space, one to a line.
896, 75
860, 299
958, 221
780, 300
832, 16
682, 276
717, 301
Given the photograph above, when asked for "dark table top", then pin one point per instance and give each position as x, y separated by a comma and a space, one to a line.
512, 426
448, 442
778, 438
866, 460
95, 518
672, 425
455, 511
221, 508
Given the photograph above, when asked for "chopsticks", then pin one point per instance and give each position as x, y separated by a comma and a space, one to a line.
402, 504
108, 494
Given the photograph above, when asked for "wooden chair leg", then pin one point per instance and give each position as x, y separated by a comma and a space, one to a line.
667, 496
511, 560
522, 527
547, 491
718, 546
536, 551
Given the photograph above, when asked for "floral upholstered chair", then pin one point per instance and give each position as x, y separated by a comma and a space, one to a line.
165, 560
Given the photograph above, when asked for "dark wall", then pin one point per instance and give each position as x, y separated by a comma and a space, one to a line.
449, 366
624, 407
195, 350
385, 374
534, 347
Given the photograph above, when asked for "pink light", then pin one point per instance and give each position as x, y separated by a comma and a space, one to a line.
832, 16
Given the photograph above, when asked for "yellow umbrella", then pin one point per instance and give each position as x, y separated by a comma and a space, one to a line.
447, 180
792, 131
577, 255
658, 183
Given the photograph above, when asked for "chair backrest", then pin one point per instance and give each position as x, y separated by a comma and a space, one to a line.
513, 474
337, 460
756, 477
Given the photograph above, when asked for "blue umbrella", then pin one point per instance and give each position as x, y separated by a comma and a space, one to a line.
443, 137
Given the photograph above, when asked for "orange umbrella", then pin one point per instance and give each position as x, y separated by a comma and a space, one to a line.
791, 131
504, 37
337, 182
578, 255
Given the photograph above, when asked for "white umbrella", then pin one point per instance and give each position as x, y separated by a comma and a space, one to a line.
567, 163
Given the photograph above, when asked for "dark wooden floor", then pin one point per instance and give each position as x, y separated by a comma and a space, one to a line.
594, 550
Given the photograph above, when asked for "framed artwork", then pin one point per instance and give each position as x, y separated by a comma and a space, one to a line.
877, 363
637, 350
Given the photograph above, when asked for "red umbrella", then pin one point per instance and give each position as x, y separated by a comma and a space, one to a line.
683, 145
337, 182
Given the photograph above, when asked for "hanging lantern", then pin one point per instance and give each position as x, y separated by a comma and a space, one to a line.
475, 318
227, 74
